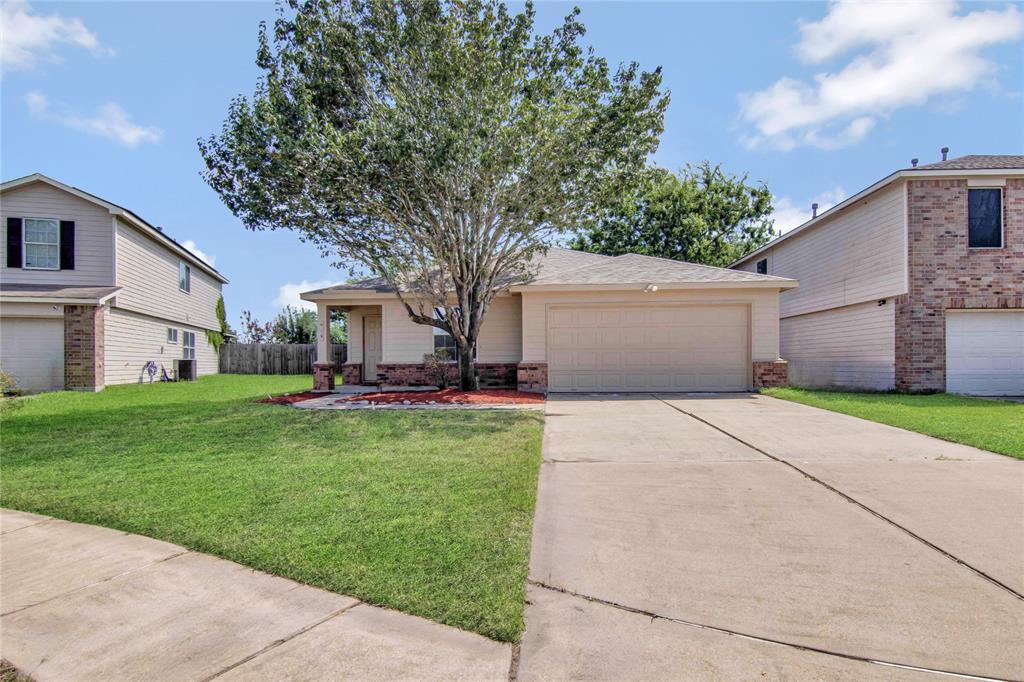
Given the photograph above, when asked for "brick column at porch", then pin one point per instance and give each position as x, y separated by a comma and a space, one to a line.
352, 373
771, 373
84, 347
323, 376
532, 377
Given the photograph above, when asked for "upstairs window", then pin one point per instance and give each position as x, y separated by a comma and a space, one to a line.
762, 266
184, 276
985, 218
42, 244
188, 345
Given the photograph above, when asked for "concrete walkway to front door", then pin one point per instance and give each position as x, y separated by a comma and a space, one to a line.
85, 603
743, 537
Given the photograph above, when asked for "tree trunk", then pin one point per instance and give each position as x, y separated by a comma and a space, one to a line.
468, 379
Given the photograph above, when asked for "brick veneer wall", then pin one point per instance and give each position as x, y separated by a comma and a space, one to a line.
771, 373
352, 373
945, 274
84, 347
492, 374
323, 376
532, 376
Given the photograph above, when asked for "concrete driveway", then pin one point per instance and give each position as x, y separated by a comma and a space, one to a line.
742, 537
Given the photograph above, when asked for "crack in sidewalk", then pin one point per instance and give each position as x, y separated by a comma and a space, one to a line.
279, 642
757, 638
949, 555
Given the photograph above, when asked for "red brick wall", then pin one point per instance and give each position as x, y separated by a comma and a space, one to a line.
771, 373
352, 374
323, 376
84, 347
945, 274
532, 376
492, 374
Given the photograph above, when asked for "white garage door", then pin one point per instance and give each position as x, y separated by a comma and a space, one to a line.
643, 348
32, 351
985, 352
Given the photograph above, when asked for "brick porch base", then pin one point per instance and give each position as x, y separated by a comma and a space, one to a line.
323, 376
771, 373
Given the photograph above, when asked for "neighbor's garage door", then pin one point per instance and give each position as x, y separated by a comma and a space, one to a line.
32, 351
644, 348
985, 352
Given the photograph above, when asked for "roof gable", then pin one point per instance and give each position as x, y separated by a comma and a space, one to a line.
125, 214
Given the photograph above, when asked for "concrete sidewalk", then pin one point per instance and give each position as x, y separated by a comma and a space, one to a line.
81, 602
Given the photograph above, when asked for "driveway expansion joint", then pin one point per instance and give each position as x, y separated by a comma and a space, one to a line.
756, 638
949, 555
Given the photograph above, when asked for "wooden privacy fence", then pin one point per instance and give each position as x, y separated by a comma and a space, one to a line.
274, 358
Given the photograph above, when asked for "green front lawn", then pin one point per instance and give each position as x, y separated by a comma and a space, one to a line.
427, 512
989, 424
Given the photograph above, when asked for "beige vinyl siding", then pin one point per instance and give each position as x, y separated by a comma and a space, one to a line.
501, 338
764, 316
403, 339
94, 234
857, 256
851, 347
148, 273
132, 340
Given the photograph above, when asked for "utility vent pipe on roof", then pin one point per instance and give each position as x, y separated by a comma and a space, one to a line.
945, 151
913, 163
814, 210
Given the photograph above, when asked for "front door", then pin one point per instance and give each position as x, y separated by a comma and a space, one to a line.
371, 347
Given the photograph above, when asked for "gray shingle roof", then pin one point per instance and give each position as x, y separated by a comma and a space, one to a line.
63, 291
567, 267
978, 162
634, 268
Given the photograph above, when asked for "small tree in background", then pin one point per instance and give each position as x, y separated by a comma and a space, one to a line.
439, 144
294, 325
702, 215
254, 331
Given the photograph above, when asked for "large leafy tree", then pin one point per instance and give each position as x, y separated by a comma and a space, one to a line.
703, 215
439, 144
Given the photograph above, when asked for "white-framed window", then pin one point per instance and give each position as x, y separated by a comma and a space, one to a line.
985, 218
188, 345
184, 276
41, 239
172, 335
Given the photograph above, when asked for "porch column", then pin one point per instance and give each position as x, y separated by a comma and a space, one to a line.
323, 368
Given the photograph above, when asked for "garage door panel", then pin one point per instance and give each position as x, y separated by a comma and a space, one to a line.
640, 348
985, 352
32, 351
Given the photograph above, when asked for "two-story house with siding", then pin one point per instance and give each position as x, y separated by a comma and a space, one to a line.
915, 283
90, 293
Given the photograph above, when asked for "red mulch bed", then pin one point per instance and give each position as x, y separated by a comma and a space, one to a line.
451, 396
289, 398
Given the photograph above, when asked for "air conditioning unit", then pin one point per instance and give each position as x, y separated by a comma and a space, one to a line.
185, 370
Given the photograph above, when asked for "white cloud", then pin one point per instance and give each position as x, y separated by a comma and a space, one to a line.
789, 214
26, 38
110, 121
288, 294
191, 246
904, 53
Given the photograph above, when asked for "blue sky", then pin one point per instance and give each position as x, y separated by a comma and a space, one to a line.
817, 100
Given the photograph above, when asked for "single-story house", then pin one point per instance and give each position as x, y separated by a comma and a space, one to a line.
583, 323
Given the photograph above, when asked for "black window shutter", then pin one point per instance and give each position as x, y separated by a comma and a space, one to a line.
67, 245
14, 242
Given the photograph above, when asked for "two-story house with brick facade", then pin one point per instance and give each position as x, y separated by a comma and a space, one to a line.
90, 293
915, 283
